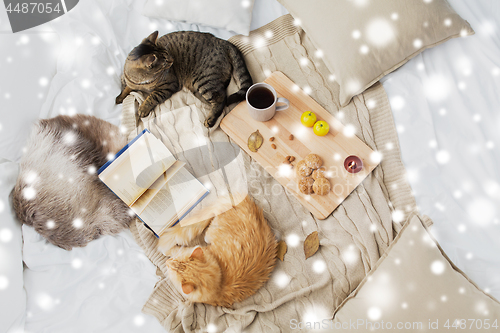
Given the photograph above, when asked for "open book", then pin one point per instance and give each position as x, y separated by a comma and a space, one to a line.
148, 178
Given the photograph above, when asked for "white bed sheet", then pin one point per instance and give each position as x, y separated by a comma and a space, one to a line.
446, 106
72, 65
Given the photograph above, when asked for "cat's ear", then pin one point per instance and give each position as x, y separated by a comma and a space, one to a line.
149, 60
197, 254
187, 288
152, 38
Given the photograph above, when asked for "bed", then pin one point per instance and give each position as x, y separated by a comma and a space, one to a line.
444, 111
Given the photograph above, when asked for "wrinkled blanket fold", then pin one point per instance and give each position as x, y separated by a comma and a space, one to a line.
352, 239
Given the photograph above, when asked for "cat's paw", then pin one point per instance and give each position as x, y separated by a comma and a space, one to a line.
166, 243
143, 111
119, 99
210, 121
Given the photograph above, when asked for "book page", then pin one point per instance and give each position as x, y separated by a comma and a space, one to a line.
137, 168
140, 204
172, 201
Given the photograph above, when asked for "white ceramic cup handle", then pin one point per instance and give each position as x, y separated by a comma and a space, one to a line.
282, 107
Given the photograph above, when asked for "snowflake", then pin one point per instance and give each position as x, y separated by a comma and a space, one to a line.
350, 255
268, 34
292, 240
211, 328
417, 43
77, 263
482, 211
319, 266
29, 193
2, 206
6, 235
404, 305
397, 103
349, 130
364, 49
398, 216
139, 320
376, 157
69, 138
4, 282
380, 32
443, 157
461, 228
394, 16
85, 84
50, 224
374, 313
282, 279
45, 301
78, 223
24, 39
91, 170
43, 81
437, 267
259, 42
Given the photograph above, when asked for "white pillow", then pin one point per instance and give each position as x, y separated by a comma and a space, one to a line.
232, 15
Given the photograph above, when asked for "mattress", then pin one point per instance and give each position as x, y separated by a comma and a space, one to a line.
445, 104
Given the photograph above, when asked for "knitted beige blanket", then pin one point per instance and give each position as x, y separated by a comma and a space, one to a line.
352, 239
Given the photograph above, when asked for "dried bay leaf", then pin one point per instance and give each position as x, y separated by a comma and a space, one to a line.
282, 248
311, 244
255, 141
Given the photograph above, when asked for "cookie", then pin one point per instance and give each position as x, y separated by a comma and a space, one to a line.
302, 169
306, 185
313, 161
321, 186
319, 173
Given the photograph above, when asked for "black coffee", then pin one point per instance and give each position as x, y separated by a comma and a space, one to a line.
261, 98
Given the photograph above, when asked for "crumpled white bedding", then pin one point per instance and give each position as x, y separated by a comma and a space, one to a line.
102, 287
446, 105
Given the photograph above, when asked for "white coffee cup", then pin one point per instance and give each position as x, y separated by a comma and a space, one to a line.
262, 100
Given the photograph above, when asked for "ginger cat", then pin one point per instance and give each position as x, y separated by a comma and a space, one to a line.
238, 259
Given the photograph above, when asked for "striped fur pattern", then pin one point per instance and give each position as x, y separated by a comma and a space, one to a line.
201, 62
238, 259
58, 192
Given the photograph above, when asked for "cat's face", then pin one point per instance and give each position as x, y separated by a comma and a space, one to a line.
196, 274
147, 61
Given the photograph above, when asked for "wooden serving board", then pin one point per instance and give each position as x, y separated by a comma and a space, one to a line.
333, 148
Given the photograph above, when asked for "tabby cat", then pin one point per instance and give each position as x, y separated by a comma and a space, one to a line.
58, 192
239, 256
198, 61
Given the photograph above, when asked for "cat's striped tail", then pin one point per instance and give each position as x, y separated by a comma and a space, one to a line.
241, 74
